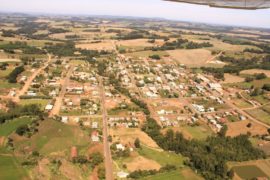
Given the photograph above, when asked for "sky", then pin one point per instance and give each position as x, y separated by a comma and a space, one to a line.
142, 8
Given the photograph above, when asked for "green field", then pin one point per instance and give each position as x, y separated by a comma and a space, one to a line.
247, 85
54, 136
198, 132
10, 126
260, 114
144, 54
10, 169
182, 174
5, 73
163, 157
41, 102
249, 171
6, 85
173, 175
242, 103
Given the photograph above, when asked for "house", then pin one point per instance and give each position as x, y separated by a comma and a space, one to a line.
120, 147
31, 93
49, 107
73, 152
122, 174
94, 125
64, 119
95, 136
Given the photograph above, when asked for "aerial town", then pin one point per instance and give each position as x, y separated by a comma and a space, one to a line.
115, 98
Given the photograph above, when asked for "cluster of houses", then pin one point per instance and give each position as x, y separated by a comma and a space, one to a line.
126, 122
202, 109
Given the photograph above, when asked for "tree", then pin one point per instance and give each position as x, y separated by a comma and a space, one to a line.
96, 159
137, 143
266, 87
260, 76
155, 56
223, 131
101, 172
21, 130
231, 174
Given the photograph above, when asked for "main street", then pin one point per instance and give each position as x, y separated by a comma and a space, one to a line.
107, 151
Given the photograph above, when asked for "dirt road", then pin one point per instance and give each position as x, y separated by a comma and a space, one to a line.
30, 80
58, 102
107, 151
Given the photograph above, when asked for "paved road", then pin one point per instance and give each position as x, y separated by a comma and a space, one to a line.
30, 80
107, 151
58, 102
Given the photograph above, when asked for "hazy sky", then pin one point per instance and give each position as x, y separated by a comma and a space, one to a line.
142, 8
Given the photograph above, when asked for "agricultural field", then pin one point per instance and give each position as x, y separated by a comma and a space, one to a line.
251, 169
260, 114
128, 136
10, 168
241, 127
191, 58
54, 137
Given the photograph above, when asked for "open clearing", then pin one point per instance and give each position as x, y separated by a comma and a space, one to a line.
162, 157
194, 132
41, 102
54, 137
191, 58
10, 126
260, 114
248, 172
182, 174
105, 45
128, 136
256, 71
9, 60
250, 169
9, 169
240, 127
229, 78
142, 163
146, 54
136, 42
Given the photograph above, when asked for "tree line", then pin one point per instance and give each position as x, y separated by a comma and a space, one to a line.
208, 157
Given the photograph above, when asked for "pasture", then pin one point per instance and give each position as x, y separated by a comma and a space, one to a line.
54, 137
10, 126
128, 136
240, 127
10, 168
191, 58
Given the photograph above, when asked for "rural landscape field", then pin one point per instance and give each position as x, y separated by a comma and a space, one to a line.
101, 97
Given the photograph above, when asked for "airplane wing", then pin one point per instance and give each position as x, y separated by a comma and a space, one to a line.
233, 4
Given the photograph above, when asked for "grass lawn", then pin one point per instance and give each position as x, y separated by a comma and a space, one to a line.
163, 158
5, 73
242, 103
10, 170
247, 85
41, 102
54, 136
182, 174
198, 132
260, 114
249, 171
6, 85
172, 175
144, 54
10, 126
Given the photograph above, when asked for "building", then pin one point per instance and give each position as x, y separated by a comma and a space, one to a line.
95, 136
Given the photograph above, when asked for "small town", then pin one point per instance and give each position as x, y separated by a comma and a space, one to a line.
85, 97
